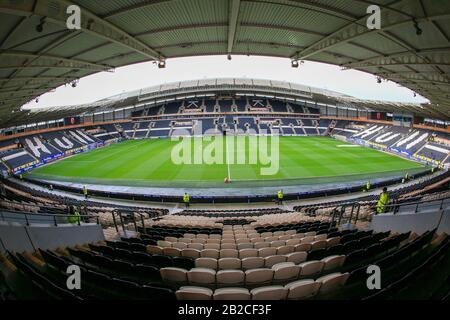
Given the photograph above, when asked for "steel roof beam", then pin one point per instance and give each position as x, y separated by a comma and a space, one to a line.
441, 55
233, 14
17, 57
34, 80
355, 30
90, 23
427, 76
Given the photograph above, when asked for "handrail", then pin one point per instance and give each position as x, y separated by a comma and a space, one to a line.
396, 206
27, 215
121, 219
340, 210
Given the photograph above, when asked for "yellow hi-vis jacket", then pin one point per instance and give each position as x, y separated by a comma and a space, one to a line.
85, 191
368, 185
280, 194
74, 219
186, 198
381, 205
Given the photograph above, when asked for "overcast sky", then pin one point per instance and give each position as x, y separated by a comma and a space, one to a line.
105, 84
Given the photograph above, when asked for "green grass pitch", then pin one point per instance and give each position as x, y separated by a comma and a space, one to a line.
148, 162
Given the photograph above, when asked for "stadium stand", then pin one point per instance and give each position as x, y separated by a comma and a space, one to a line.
205, 259
311, 232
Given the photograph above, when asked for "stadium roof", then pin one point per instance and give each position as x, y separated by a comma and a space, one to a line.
412, 48
196, 89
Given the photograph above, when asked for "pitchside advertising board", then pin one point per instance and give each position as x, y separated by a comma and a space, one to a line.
51, 158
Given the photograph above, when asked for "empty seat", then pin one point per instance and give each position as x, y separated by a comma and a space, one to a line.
302, 289
230, 277
269, 293
311, 268
189, 235
228, 240
332, 281
285, 271
154, 249
172, 252
199, 240
265, 252
164, 244
285, 250
201, 276
258, 276
261, 245
317, 254
320, 237
210, 253
303, 247
355, 256
183, 262
297, 257
292, 242
185, 240
229, 253
171, 239
246, 253
272, 260
244, 245
209, 263
331, 242
333, 262
194, 293
319, 244
252, 263
231, 294
278, 243
212, 246
180, 245
228, 246
190, 253
197, 246
172, 274
229, 263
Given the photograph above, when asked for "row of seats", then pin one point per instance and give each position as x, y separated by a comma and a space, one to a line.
252, 262
294, 226
297, 290
282, 271
197, 249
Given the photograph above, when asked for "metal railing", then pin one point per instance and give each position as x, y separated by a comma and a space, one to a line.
55, 218
340, 215
119, 219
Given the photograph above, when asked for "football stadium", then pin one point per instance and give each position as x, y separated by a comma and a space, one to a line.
224, 188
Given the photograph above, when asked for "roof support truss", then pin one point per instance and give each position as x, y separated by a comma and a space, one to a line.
357, 29
233, 13
55, 11
438, 57
16, 58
